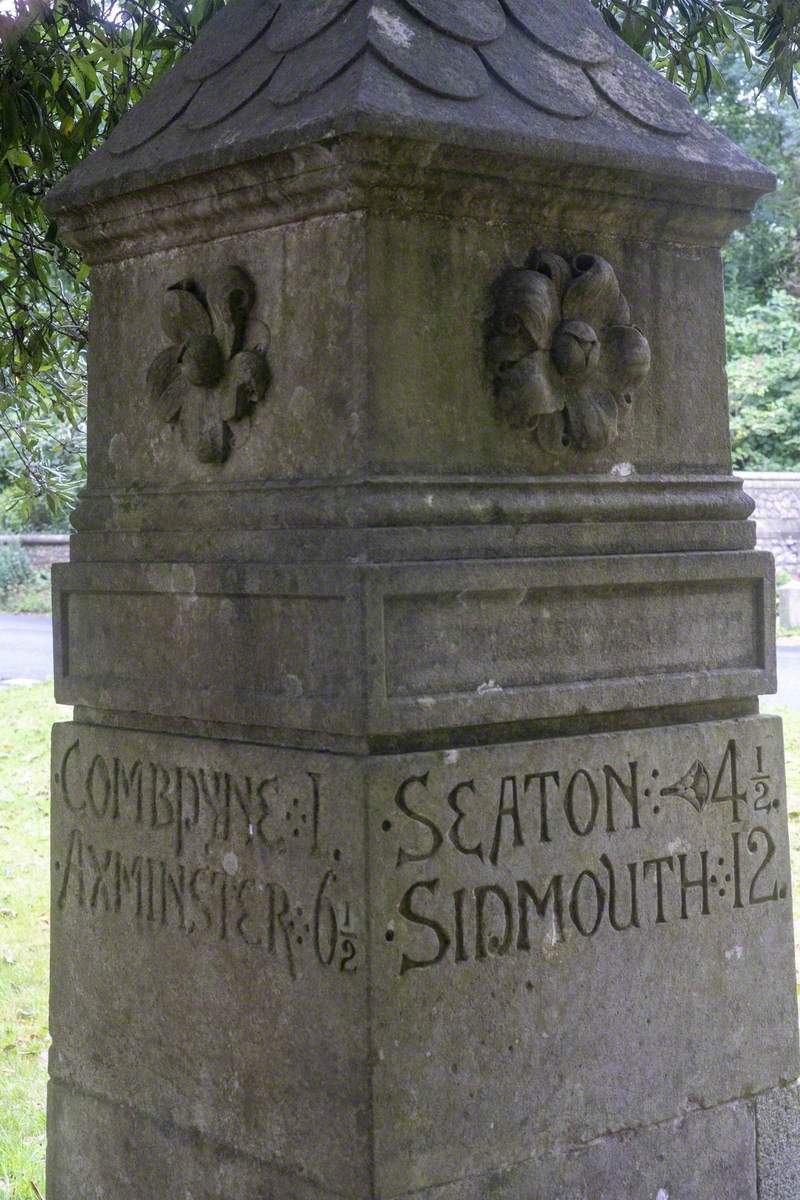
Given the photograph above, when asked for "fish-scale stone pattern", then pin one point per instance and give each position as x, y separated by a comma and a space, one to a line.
558, 56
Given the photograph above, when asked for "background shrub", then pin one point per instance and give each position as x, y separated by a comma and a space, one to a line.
15, 569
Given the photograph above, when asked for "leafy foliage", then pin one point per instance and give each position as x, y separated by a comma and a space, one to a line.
26, 716
762, 278
764, 380
764, 255
15, 569
68, 72
687, 38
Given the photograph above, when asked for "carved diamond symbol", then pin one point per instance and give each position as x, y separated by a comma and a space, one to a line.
694, 786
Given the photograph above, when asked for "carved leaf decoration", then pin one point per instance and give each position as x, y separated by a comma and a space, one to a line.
204, 377
230, 297
504, 350
257, 337
594, 295
202, 360
170, 403
563, 356
163, 377
554, 267
183, 312
551, 433
207, 434
228, 35
591, 419
246, 383
630, 354
558, 56
527, 300
575, 349
694, 786
525, 392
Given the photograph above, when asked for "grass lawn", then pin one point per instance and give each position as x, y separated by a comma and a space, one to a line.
26, 714
791, 733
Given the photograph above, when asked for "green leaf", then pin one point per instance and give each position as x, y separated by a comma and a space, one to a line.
18, 157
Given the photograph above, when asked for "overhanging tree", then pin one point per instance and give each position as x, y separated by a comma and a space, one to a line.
69, 69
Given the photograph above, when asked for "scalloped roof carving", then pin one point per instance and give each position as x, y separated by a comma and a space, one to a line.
512, 74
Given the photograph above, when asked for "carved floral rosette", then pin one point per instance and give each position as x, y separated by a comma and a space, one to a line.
564, 357
215, 369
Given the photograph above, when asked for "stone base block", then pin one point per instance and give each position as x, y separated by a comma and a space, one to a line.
100, 1150
549, 969
704, 1156
778, 1139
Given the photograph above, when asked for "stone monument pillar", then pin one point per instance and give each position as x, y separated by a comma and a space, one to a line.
417, 833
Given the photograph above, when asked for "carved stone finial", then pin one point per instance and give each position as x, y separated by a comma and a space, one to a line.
215, 369
564, 356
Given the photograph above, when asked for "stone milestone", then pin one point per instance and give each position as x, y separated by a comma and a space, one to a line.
417, 832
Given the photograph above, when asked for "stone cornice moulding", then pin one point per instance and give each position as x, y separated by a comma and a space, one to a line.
356, 173
392, 503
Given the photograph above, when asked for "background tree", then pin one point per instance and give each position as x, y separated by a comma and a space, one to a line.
69, 69
762, 276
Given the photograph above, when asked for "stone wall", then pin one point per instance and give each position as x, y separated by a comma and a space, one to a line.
777, 498
42, 549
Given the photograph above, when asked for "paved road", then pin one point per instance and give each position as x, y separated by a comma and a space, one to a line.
26, 646
26, 653
788, 678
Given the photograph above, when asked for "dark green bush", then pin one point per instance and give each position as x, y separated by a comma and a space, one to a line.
15, 569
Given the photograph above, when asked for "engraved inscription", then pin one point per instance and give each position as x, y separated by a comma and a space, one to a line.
539, 858
243, 859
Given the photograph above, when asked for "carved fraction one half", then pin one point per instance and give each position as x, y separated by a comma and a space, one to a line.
215, 369
564, 358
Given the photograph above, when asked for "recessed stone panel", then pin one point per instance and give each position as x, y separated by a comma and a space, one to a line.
259, 645
465, 643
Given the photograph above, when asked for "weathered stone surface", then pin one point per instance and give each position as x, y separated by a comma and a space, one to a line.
151, 1158
704, 1156
778, 1142
381, 976
344, 400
